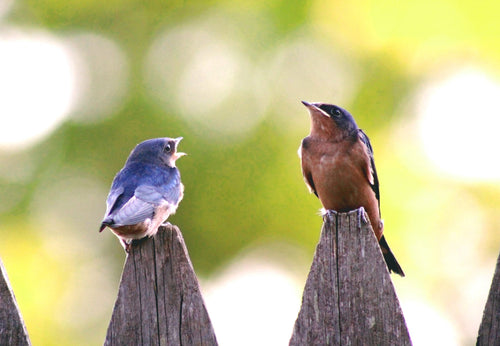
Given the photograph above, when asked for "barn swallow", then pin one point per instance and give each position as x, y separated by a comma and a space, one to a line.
145, 192
338, 167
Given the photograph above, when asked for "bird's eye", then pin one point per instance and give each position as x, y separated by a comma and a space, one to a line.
168, 148
336, 112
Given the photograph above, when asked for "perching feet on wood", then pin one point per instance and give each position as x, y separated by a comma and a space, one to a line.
362, 217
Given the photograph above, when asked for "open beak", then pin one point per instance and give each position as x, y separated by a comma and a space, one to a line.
177, 154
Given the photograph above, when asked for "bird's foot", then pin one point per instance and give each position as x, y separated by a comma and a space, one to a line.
362, 217
126, 244
332, 212
166, 224
324, 212
328, 213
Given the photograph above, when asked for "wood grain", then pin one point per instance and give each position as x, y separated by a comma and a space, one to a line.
349, 298
159, 300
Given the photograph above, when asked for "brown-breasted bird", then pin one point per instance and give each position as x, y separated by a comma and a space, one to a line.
338, 166
145, 192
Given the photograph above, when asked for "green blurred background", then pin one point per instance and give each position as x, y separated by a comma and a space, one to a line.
83, 81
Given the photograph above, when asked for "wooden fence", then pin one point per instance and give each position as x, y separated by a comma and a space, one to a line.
348, 297
159, 301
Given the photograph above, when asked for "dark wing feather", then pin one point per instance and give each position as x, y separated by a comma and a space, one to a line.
375, 185
306, 173
309, 181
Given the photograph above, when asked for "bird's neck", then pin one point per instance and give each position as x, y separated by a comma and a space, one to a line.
332, 134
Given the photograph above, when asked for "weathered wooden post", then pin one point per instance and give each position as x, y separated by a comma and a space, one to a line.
349, 298
12, 329
489, 331
159, 300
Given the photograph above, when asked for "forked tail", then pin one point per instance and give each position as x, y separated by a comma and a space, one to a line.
391, 261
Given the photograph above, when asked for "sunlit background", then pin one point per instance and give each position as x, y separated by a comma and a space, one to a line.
83, 81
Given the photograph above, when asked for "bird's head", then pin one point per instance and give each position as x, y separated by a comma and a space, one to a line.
157, 151
330, 121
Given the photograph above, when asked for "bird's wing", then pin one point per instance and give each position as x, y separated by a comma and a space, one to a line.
307, 174
309, 182
134, 211
145, 201
372, 172
113, 196
140, 206
149, 193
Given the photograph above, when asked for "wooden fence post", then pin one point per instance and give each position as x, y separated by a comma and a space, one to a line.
489, 331
159, 300
12, 329
349, 298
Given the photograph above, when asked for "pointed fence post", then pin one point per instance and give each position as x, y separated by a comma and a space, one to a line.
349, 298
489, 331
159, 301
12, 328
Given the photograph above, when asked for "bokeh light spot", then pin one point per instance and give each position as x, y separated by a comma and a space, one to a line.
37, 84
209, 81
254, 294
101, 75
459, 117
304, 69
427, 325
5, 6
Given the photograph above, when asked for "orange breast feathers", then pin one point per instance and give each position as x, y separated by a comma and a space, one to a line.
339, 173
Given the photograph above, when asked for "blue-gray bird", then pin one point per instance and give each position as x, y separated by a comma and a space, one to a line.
145, 192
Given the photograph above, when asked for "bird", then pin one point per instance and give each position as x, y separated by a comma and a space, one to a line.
145, 192
339, 168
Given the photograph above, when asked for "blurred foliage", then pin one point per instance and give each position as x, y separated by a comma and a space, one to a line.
245, 188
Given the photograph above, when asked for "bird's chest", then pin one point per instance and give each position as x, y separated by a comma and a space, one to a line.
338, 175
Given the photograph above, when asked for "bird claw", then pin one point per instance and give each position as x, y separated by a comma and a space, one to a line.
332, 212
126, 244
325, 212
166, 224
362, 217
328, 213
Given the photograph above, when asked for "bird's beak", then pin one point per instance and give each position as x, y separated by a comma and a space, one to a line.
314, 108
177, 154
177, 140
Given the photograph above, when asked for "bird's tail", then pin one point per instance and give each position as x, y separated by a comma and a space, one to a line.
391, 261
